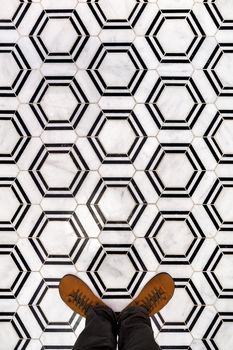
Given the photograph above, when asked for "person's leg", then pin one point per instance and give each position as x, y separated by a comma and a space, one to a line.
135, 331
101, 328
100, 332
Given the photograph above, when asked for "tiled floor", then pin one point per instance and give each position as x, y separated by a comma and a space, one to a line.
116, 152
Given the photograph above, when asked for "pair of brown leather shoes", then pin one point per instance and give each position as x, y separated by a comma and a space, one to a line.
154, 295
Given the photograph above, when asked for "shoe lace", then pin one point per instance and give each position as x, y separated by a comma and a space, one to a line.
154, 298
76, 297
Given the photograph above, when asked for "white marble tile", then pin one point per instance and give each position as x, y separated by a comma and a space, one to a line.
63, 4
117, 170
9, 336
177, 4
111, 36
116, 163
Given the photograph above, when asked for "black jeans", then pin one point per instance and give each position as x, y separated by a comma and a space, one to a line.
101, 330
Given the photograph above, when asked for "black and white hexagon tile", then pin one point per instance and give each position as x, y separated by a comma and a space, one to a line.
116, 163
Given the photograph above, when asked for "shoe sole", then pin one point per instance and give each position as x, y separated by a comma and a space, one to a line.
69, 286
164, 284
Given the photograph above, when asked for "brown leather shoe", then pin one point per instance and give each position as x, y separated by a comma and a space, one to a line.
155, 294
77, 295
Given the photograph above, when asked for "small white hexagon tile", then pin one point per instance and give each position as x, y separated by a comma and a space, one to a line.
116, 163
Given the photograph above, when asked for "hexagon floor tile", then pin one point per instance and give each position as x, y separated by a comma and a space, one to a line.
116, 163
